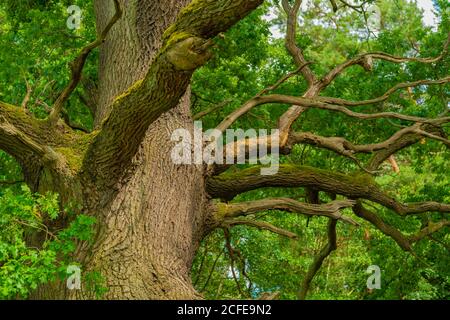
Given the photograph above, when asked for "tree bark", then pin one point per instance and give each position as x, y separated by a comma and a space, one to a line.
151, 222
151, 227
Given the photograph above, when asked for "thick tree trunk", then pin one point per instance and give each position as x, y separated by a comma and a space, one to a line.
151, 224
151, 228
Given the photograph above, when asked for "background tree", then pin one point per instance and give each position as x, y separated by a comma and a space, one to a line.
100, 139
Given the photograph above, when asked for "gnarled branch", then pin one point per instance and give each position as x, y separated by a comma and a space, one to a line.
293, 49
184, 49
387, 229
77, 66
260, 225
255, 101
331, 210
385, 96
319, 258
228, 185
211, 109
366, 60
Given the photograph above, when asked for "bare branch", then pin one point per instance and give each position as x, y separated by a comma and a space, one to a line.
212, 109
346, 148
231, 255
228, 185
365, 116
260, 225
77, 66
388, 230
300, 102
331, 210
432, 136
334, 5
293, 49
341, 146
27, 97
366, 60
431, 228
358, 8
212, 270
400, 143
394, 163
405, 242
385, 96
318, 260
255, 101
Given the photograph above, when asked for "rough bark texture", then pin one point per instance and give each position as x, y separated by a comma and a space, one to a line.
151, 228
151, 222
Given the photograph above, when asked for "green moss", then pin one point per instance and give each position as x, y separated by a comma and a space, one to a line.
73, 158
82, 140
363, 178
287, 169
177, 32
221, 211
133, 88
193, 6
171, 37
18, 115
75, 152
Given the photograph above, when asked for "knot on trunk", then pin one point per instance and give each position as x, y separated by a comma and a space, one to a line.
189, 54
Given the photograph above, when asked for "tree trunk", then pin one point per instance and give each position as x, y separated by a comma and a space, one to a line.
151, 224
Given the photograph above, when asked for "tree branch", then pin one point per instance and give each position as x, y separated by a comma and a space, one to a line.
300, 104
431, 228
385, 96
27, 97
184, 49
77, 66
405, 242
312, 103
211, 109
260, 225
319, 258
22, 135
346, 148
36, 144
228, 185
293, 49
388, 230
402, 142
255, 101
231, 255
366, 61
331, 210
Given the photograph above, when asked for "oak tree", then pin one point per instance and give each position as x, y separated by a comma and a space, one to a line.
152, 214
